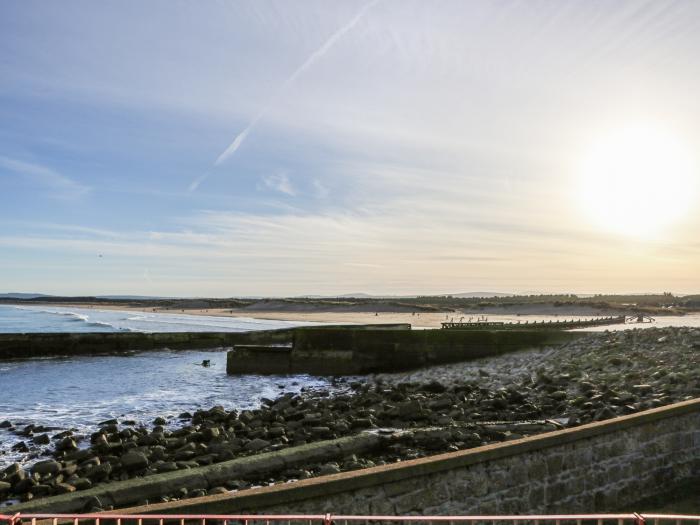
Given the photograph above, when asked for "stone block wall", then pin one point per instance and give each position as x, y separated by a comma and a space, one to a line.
596, 467
30, 345
361, 350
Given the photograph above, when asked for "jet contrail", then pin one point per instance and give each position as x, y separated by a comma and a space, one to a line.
313, 57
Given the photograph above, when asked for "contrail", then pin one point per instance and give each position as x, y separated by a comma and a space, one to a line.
310, 61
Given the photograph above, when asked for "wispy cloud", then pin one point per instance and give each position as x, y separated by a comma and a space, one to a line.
309, 62
279, 182
61, 186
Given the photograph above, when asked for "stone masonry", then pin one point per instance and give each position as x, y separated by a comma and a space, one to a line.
592, 468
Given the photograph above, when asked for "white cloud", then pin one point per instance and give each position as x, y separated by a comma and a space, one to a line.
60, 185
279, 182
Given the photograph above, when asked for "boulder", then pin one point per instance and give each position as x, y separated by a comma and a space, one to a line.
49, 466
133, 460
256, 445
64, 488
41, 439
67, 444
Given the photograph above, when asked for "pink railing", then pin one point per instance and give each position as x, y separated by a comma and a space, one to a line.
330, 519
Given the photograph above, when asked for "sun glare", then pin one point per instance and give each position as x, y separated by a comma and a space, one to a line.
637, 181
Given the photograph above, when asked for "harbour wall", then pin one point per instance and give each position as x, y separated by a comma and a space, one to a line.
597, 467
13, 346
349, 351
28, 345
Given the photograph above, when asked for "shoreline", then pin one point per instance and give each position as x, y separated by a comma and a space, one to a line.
418, 319
436, 409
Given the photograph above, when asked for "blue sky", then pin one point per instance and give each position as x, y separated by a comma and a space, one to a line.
392, 146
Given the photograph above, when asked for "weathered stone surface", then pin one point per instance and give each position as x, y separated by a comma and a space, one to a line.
134, 461
46, 467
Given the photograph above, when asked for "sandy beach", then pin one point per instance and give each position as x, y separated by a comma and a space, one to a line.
363, 316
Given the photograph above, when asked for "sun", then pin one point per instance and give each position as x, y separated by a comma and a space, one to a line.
637, 180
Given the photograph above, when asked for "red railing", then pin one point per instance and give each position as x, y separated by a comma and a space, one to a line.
330, 519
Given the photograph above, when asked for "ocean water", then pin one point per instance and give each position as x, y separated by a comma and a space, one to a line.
69, 319
79, 392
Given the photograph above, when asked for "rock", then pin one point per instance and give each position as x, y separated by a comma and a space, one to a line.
361, 422
210, 433
20, 447
49, 466
4, 487
328, 468
66, 444
82, 483
64, 488
434, 387
41, 490
24, 485
160, 421
61, 435
218, 490
256, 445
12, 469
168, 466
276, 432
320, 432
558, 395
133, 460
98, 472
6, 424
92, 504
604, 413
41, 439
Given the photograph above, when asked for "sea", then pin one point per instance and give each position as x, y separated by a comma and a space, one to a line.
30, 319
78, 392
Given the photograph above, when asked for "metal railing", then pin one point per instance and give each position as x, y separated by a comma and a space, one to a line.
330, 519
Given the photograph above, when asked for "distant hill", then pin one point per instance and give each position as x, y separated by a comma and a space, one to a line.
362, 295
19, 295
131, 297
467, 295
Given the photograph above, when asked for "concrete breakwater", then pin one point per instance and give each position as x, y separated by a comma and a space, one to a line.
28, 345
351, 351
14, 346
435, 410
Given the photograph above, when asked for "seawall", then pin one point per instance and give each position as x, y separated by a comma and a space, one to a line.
348, 351
13, 346
592, 468
28, 345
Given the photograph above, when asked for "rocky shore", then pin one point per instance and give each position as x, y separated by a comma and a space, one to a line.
420, 413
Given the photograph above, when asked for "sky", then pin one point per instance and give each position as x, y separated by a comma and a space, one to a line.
276, 148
